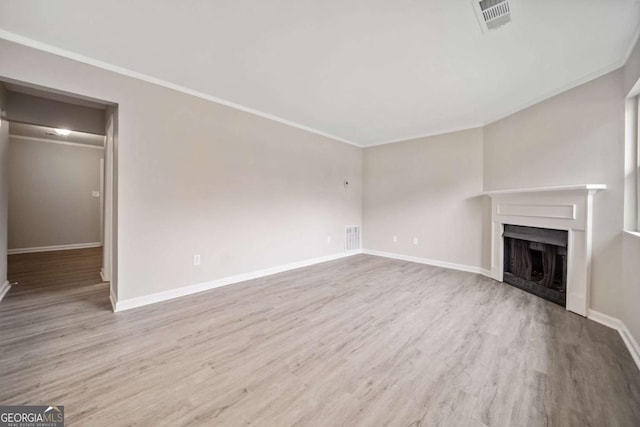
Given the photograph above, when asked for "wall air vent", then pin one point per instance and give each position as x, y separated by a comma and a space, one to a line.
492, 13
352, 238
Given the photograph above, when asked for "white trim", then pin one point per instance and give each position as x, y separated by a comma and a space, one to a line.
112, 298
571, 85
579, 227
635, 160
54, 141
205, 286
625, 333
604, 319
25, 41
53, 248
564, 88
433, 262
545, 189
4, 289
109, 200
631, 343
424, 135
632, 233
560, 211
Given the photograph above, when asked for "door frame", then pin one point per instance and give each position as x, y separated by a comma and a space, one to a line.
109, 195
109, 224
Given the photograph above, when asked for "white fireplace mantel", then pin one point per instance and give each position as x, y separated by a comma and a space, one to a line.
567, 208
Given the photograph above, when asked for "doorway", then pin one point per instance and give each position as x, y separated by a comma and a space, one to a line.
59, 166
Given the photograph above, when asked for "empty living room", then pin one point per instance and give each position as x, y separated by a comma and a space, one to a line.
320, 213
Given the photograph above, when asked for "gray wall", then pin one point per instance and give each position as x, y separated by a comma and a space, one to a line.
35, 110
248, 193
428, 188
195, 177
50, 200
576, 137
4, 187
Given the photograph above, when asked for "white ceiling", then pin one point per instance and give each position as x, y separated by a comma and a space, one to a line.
366, 71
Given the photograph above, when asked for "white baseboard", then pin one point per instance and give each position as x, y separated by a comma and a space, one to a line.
625, 333
4, 288
200, 287
631, 343
605, 319
433, 262
53, 248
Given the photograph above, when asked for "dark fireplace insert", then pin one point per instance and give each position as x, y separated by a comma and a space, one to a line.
535, 260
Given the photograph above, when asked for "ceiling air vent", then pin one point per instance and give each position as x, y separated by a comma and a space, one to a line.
492, 13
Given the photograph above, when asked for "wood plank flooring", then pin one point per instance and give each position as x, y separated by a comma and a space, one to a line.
69, 268
362, 341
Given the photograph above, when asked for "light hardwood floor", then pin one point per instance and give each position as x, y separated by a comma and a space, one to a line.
362, 341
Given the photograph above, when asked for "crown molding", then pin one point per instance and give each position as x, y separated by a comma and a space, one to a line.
16, 38
561, 89
424, 135
25, 41
582, 80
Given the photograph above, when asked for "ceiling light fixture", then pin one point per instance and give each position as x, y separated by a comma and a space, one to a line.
62, 132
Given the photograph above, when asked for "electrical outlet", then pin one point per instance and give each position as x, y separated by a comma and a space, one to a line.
395, 239
95, 193
196, 260
415, 240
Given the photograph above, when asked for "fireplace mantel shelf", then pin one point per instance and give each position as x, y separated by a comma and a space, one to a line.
585, 187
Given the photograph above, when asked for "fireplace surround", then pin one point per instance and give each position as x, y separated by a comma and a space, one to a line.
568, 209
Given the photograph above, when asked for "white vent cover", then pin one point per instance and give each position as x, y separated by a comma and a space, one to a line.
492, 13
352, 238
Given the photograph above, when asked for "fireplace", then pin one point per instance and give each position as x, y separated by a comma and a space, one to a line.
535, 260
567, 212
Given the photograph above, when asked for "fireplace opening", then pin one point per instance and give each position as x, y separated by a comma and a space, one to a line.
535, 260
